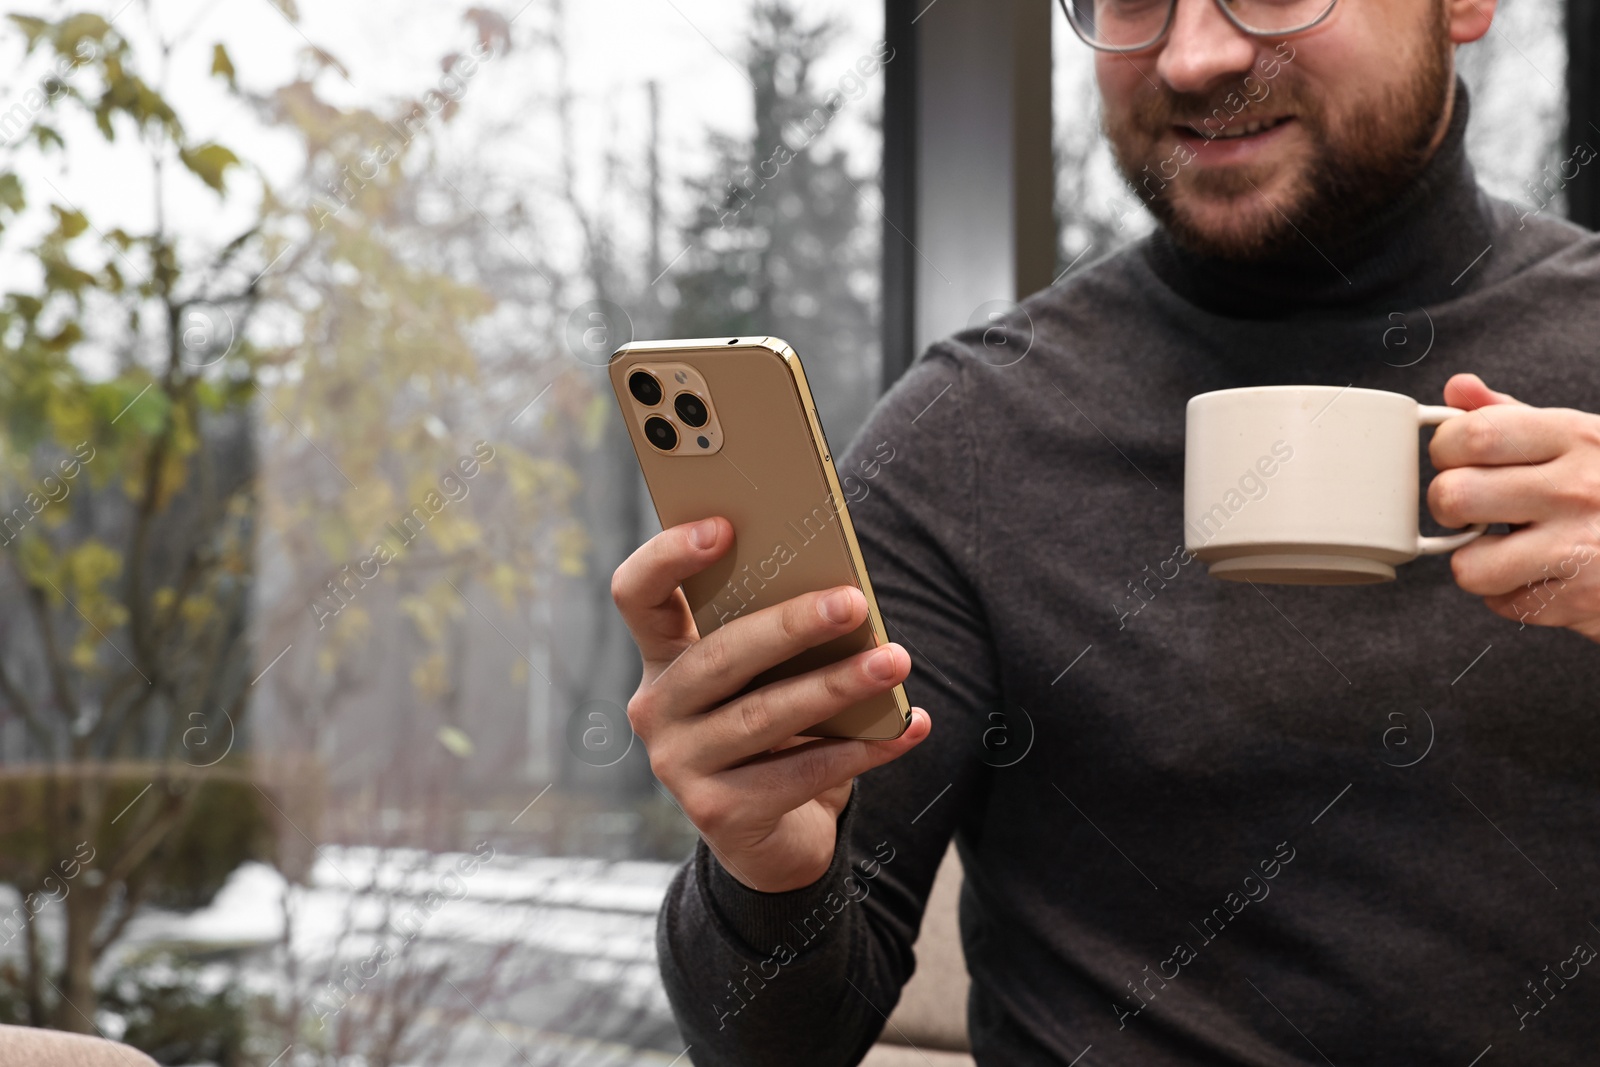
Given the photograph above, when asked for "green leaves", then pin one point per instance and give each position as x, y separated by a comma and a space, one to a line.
69, 223
209, 161
60, 274
11, 195
12, 198
73, 30
222, 66
47, 137
131, 402
32, 28
132, 96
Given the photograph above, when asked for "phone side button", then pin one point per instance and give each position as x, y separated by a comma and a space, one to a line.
826, 444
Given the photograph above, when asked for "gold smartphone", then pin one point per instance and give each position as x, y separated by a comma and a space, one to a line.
726, 426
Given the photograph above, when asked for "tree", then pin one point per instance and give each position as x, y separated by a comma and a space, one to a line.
307, 398
128, 512
777, 245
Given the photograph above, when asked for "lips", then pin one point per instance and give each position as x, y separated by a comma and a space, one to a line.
1233, 130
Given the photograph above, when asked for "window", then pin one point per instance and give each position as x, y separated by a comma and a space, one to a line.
314, 485
1515, 75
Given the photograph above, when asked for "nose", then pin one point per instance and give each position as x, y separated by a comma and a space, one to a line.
1202, 47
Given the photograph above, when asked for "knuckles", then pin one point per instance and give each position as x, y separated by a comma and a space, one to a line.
838, 683
796, 618
1581, 489
671, 755
707, 809
1465, 572
642, 710
660, 764
1480, 439
1448, 495
619, 587
1586, 430
715, 658
755, 714
814, 768
1479, 572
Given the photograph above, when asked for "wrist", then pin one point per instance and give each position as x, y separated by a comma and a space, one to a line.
762, 919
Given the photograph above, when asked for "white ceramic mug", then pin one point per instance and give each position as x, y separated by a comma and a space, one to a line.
1307, 484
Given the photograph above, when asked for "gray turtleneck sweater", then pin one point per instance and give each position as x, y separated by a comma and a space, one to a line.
1203, 823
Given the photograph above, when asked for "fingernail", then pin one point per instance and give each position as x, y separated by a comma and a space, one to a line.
703, 534
881, 664
835, 607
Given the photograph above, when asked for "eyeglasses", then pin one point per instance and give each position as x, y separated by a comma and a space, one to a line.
1134, 25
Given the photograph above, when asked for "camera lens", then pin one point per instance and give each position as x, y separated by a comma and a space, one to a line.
661, 433
691, 409
645, 389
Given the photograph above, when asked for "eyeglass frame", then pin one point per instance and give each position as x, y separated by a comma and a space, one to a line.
1172, 11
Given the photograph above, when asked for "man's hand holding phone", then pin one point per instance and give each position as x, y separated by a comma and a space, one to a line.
765, 801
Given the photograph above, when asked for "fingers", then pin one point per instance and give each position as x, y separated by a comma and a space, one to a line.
775, 713
779, 782
645, 586
1503, 434
1469, 392
1462, 496
1551, 603
1527, 567
723, 662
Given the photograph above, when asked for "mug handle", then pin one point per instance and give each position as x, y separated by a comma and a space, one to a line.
1433, 415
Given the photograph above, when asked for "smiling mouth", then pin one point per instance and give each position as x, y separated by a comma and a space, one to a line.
1234, 130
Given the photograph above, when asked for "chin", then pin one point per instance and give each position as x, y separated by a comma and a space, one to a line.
1234, 223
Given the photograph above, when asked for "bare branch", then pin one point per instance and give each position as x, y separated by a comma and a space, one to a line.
19, 702
55, 666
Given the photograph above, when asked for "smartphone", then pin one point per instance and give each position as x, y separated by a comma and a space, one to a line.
727, 426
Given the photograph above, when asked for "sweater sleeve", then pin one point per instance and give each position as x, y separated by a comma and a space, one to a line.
809, 976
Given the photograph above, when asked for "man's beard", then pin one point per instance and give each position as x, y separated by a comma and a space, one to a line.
1349, 173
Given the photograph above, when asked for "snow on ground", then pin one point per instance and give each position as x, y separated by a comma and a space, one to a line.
591, 909
580, 933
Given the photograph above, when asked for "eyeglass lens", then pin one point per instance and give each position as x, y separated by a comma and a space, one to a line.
1130, 24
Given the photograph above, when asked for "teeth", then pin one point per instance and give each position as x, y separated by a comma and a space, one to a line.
1246, 129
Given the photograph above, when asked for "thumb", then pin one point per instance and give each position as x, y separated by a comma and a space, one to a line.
1468, 392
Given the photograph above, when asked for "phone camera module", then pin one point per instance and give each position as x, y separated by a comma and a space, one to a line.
660, 432
645, 389
691, 409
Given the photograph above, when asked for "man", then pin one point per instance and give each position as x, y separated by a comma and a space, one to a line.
1228, 824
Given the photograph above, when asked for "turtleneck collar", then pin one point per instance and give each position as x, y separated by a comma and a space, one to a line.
1415, 251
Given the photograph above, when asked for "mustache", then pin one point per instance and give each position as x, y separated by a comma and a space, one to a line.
1188, 109
1249, 95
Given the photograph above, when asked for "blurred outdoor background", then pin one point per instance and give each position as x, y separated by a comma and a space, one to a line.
312, 742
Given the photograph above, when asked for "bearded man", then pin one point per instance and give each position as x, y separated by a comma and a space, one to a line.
1234, 824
